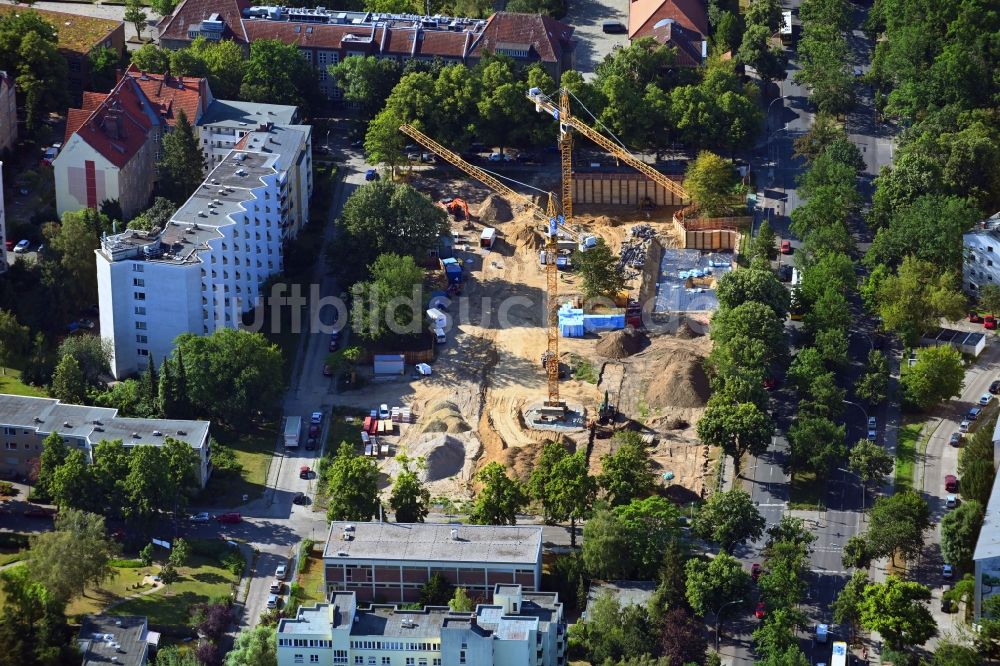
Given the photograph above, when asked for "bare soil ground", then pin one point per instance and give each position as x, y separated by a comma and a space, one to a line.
490, 367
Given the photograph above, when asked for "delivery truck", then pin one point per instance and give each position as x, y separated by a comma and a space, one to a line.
293, 428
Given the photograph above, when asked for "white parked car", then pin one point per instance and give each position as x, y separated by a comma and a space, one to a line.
951, 501
280, 572
985, 399
964, 426
316, 418
202, 517
383, 411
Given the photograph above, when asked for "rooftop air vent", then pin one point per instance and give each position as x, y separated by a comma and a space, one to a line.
342, 553
66, 424
98, 429
37, 420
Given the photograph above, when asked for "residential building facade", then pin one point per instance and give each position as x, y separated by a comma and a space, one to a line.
326, 37
518, 629
3, 228
27, 421
206, 268
681, 24
77, 37
8, 113
981, 256
391, 561
112, 144
986, 557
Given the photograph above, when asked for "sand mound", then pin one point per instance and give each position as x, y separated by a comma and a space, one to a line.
443, 417
619, 344
444, 457
685, 332
679, 381
524, 236
494, 209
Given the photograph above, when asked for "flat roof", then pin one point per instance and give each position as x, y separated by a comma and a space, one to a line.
104, 638
47, 415
402, 542
316, 619
392, 622
237, 114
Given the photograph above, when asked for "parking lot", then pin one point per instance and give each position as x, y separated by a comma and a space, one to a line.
593, 44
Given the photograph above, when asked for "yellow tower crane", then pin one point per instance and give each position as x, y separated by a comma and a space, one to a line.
569, 123
551, 218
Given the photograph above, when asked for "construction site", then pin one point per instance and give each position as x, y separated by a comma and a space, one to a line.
528, 360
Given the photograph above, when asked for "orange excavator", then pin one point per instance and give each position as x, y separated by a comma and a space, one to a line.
456, 206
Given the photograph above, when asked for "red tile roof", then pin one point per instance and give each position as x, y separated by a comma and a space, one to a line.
118, 127
75, 118
549, 38
644, 15
91, 100
193, 12
687, 42
169, 94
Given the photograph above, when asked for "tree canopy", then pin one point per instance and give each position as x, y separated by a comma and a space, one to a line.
352, 483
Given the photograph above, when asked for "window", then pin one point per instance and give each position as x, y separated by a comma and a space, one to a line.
386, 661
298, 659
138, 268
140, 326
314, 659
142, 352
9, 431
141, 339
409, 661
138, 282
359, 660
11, 446
461, 657
139, 295
140, 309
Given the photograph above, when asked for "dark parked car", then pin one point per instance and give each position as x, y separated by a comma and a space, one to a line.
299, 498
310, 444
614, 27
231, 517
785, 272
995, 387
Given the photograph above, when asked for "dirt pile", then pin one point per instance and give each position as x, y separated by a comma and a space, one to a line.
443, 417
525, 237
446, 459
682, 381
685, 332
494, 209
622, 343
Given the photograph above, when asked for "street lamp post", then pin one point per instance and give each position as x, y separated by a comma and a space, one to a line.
854, 404
718, 617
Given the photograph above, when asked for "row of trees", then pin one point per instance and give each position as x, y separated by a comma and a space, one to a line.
824, 54
275, 73
132, 483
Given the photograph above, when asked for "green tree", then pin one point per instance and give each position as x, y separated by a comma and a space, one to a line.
897, 524
847, 606
959, 532
729, 518
870, 462
873, 386
366, 81
756, 51
93, 354
29, 51
793, 656
541, 475
829, 311
410, 500
599, 268
774, 637
146, 554
164, 8
627, 473
74, 242
182, 165
930, 228
151, 58
806, 366
13, 339
103, 62
647, 526
738, 429
912, 301
502, 112
76, 554
817, 444
278, 73
437, 591
157, 215
716, 582
461, 602
765, 13
764, 246
67, 382
230, 375
857, 552
709, 181
738, 287
389, 304
109, 469
755, 321
54, 452
223, 62
149, 390
500, 498
383, 217
822, 133
33, 626
72, 484
605, 554
352, 481
897, 609
135, 15
255, 647
570, 491
937, 375
384, 143
989, 298
146, 487
613, 634
180, 551
833, 270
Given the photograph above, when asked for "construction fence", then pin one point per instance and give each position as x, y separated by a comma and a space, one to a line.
623, 189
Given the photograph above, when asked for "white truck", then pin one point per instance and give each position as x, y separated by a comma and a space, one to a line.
293, 429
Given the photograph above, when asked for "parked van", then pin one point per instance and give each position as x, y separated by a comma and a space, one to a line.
614, 27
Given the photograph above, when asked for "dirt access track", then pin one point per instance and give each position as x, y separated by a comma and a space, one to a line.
469, 411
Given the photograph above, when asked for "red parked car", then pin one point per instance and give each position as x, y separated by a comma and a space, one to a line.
759, 612
9, 244
990, 322
786, 247
304, 472
950, 483
975, 318
231, 517
755, 571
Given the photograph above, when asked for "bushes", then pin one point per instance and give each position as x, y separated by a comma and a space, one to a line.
224, 461
304, 550
13, 540
127, 564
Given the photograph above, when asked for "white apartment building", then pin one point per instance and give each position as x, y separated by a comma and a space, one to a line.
205, 269
3, 228
981, 264
225, 122
27, 421
518, 629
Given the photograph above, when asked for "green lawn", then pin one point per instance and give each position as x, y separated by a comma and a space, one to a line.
10, 382
169, 608
254, 450
906, 455
805, 493
310, 582
11, 557
124, 583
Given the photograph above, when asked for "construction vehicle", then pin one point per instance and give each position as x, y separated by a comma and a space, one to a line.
568, 124
553, 407
456, 206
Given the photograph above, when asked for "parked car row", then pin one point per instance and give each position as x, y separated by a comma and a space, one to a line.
230, 517
277, 589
